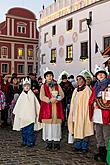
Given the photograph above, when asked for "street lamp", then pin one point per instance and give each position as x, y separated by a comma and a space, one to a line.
89, 21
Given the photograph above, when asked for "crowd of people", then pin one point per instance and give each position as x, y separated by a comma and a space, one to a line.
82, 106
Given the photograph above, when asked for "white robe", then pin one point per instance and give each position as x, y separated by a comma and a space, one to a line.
26, 111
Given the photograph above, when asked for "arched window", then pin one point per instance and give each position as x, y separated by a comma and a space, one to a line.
21, 27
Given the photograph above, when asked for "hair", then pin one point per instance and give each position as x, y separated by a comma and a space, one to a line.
14, 75
12, 78
71, 77
82, 77
64, 76
48, 72
101, 71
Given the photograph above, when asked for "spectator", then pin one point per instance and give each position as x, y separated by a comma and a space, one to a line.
68, 89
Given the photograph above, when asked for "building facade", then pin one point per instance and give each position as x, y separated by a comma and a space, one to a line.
18, 42
64, 35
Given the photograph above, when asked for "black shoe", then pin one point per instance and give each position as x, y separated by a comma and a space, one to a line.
101, 156
103, 153
49, 146
84, 151
57, 146
97, 157
23, 144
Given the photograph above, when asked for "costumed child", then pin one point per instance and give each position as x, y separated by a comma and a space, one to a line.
2, 101
13, 103
51, 112
100, 112
26, 113
79, 124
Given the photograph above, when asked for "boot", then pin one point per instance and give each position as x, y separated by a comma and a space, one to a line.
56, 145
103, 153
85, 146
77, 145
49, 146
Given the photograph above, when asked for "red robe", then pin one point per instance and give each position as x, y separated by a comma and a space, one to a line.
45, 109
105, 113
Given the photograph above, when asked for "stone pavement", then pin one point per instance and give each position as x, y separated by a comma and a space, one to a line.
11, 152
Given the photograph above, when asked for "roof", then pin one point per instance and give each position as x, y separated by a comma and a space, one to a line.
21, 12
2, 24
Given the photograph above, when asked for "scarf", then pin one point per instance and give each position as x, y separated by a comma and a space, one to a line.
101, 85
51, 84
81, 88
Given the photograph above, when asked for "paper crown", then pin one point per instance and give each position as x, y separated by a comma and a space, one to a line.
46, 70
60, 76
86, 74
99, 69
26, 81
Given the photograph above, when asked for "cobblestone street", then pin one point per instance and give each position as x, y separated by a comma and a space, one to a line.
11, 152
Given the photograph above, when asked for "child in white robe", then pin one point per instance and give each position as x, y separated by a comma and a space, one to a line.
26, 113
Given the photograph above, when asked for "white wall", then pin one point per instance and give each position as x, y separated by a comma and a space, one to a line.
100, 28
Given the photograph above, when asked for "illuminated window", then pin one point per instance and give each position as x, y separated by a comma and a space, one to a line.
4, 68
84, 50
69, 24
69, 56
20, 52
53, 56
30, 52
4, 51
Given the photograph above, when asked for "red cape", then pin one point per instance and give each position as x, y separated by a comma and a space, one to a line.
46, 108
105, 113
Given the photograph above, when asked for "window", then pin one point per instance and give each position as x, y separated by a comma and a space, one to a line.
43, 59
45, 37
30, 68
53, 56
84, 50
30, 52
69, 24
21, 69
4, 68
106, 42
53, 30
21, 29
20, 52
4, 51
82, 25
69, 56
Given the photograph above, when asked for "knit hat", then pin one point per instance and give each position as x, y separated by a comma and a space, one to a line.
99, 69
85, 74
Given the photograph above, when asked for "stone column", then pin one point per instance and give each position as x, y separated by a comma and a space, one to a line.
30, 29
34, 29
25, 53
12, 27
12, 57
8, 26
35, 57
